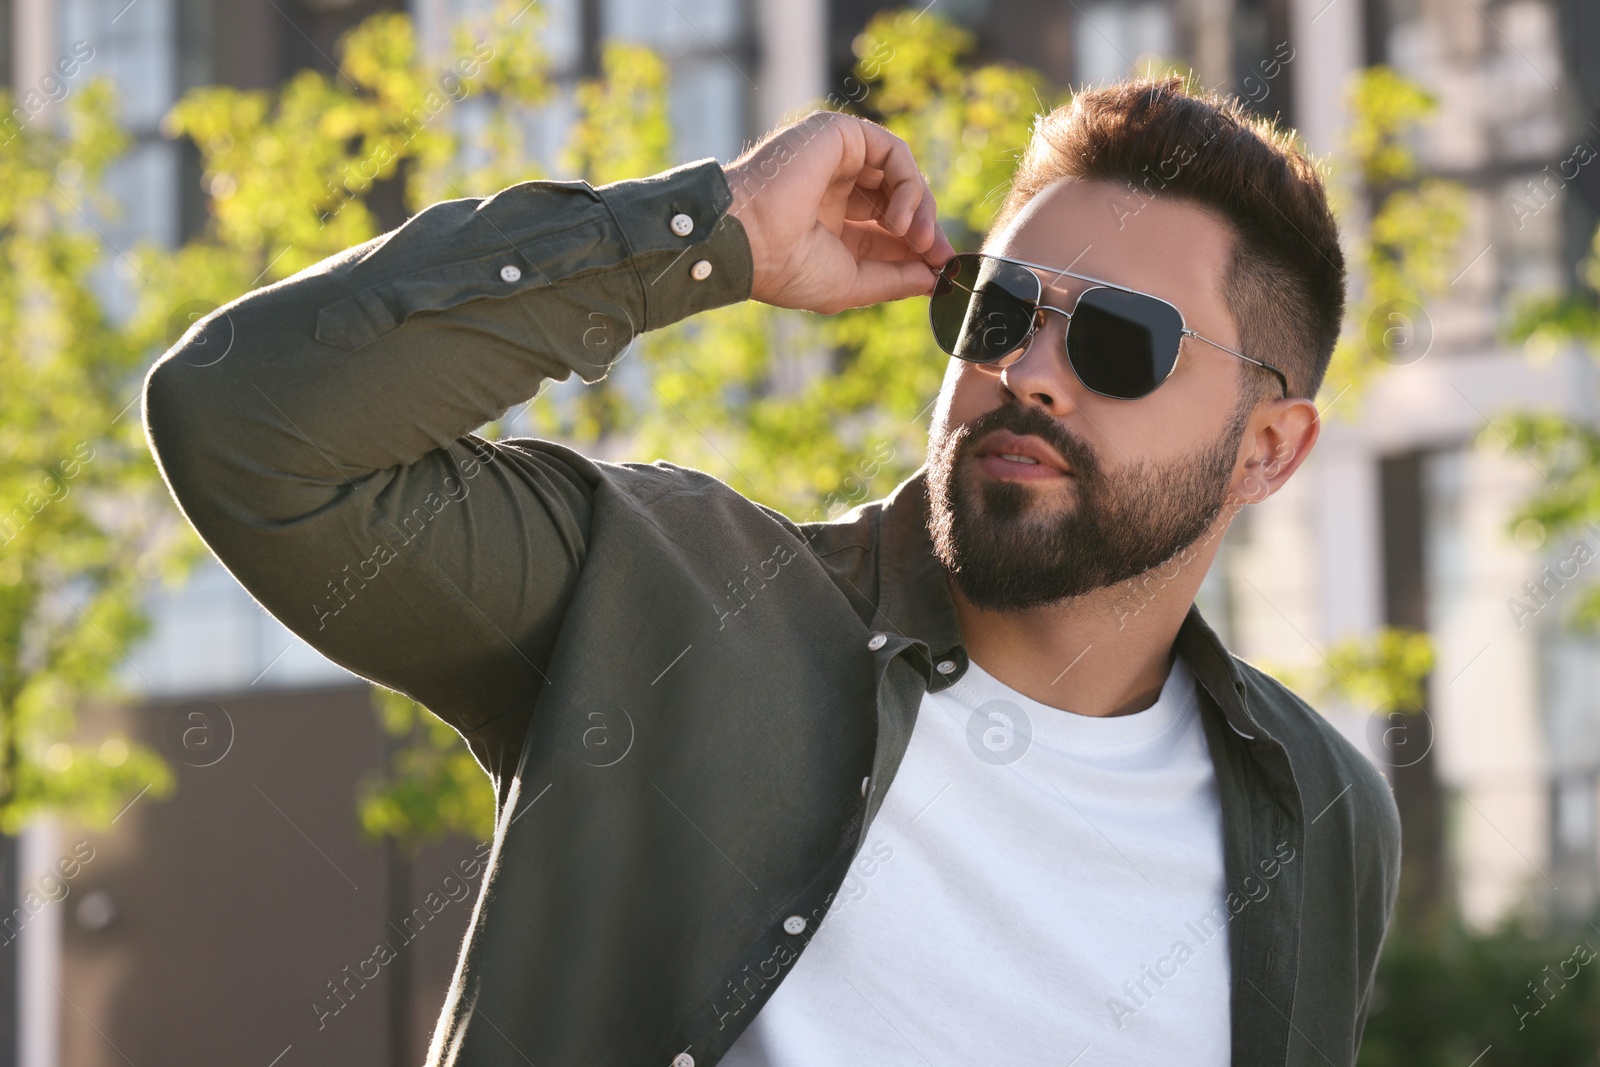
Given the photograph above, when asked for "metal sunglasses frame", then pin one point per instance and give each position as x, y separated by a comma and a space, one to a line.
1033, 326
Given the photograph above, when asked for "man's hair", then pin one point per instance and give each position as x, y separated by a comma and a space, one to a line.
1285, 282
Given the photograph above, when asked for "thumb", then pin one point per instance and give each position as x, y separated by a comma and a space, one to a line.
879, 280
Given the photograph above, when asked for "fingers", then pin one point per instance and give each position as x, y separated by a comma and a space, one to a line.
902, 181
926, 239
925, 235
880, 280
869, 240
839, 181
900, 193
940, 252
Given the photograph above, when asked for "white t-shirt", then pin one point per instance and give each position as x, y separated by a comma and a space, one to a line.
1038, 887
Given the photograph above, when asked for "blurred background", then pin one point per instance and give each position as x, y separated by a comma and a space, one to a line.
209, 829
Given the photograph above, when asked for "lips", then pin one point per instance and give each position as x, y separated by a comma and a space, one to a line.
1023, 451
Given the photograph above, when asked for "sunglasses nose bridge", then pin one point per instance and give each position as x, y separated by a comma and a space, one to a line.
1066, 316
1026, 345
1054, 352
1041, 322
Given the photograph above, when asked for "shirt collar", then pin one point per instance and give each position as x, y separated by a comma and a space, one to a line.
915, 602
913, 599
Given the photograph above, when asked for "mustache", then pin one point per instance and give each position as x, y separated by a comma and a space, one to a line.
1023, 421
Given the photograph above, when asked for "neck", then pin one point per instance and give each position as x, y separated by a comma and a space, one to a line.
1105, 653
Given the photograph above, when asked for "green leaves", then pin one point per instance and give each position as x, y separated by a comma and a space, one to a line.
1385, 108
82, 512
1382, 671
432, 785
289, 170
1411, 244
622, 129
966, 124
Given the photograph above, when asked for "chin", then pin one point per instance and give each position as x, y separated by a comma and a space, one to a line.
1002, 499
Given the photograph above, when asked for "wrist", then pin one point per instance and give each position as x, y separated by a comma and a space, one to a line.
687, 254
744, 185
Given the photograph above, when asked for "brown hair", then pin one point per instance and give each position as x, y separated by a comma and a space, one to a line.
1285, 285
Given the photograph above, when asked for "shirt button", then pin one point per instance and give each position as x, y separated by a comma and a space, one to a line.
682, 225
794, 924
864, 782
683, 1059
510, 273
701, 270
877, 641
945, 666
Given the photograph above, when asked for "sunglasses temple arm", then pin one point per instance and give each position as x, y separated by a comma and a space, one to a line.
1283, 379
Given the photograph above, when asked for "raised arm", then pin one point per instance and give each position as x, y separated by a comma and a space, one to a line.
317, 432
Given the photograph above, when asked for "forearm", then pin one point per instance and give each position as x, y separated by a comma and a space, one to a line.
317, 432
373, 357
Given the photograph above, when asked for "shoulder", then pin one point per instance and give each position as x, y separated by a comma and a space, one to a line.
854, 532
679, 507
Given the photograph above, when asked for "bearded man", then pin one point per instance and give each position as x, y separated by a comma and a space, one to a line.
960, 776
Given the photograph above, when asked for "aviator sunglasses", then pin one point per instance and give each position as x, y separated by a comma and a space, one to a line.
1121, 343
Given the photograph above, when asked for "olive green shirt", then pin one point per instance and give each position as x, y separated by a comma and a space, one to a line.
680, 785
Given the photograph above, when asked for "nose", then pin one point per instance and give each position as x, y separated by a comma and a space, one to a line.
1038, 371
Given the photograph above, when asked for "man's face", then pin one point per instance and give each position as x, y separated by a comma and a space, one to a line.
1139, 480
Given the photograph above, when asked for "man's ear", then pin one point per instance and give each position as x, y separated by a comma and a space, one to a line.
1279, 437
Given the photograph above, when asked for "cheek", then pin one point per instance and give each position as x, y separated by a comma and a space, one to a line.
1184, 416
972, 389
963, 396
1144, 437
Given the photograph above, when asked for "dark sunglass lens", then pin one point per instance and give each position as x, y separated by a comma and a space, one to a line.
982, 308
1123, 344
947, 308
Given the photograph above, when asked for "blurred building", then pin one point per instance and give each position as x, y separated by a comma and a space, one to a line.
207, 925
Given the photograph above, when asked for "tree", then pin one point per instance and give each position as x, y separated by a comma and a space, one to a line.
1404, 254
83, 522
1386, 670
1566, 450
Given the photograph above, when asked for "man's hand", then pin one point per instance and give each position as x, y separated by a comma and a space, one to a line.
838, 216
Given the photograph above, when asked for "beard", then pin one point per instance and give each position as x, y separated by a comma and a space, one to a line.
1010, 546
